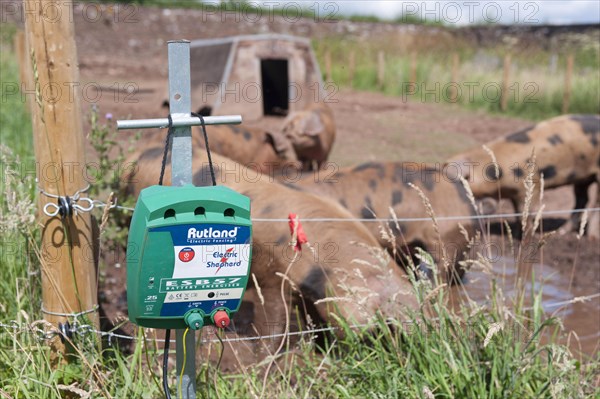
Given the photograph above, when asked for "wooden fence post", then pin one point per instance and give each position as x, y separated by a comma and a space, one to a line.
67, 261
413, 68
455, 67
351, 68
328, 77
381, 69
567, 91
505, 78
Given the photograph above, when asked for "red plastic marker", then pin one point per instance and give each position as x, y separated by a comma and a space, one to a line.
296, 226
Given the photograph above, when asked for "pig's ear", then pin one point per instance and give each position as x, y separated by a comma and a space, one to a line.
458, 167
205, 111
487, 206
313, 125
282, 145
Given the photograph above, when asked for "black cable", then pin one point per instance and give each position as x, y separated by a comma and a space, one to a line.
166, 364
216, 372
168, 332
167, 142
220, 356
210, 164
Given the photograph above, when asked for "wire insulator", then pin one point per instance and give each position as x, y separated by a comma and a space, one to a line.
65, 331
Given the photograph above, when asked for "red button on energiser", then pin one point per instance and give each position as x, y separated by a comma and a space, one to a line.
186, 254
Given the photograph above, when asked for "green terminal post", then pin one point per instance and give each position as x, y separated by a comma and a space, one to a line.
194, 319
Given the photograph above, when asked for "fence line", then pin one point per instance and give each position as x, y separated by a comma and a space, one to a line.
424, 219
85, 329
100, 204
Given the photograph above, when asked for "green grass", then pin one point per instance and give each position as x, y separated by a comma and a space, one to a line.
15, 123
15, 154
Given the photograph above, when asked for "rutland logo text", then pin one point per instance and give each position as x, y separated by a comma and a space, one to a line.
196, 234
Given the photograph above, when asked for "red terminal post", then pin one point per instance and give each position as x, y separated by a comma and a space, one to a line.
221, 319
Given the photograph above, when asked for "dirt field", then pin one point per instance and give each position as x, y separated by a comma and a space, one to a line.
371, 126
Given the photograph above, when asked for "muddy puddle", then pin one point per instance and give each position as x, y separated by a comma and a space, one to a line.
582, 318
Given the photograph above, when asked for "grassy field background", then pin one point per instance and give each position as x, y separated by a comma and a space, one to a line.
535, 85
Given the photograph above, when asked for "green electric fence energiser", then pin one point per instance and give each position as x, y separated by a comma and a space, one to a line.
188, 256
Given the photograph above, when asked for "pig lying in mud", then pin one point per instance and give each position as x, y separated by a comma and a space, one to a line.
345, 272
369, 190
567, 151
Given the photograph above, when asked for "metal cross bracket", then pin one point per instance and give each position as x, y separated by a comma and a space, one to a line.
180, 110
181, 169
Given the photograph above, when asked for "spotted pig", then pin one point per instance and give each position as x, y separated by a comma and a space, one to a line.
369, 190
567, 152
333, 269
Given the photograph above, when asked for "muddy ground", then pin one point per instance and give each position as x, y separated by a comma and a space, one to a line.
117, 56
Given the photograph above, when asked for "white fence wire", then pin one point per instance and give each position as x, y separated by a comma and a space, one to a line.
100, 204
